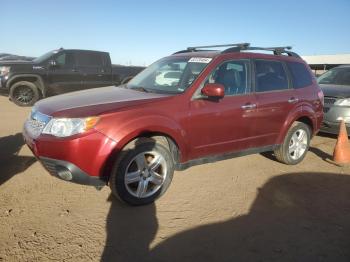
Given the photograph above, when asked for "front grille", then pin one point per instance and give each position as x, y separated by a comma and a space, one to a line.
36, 123
328, 100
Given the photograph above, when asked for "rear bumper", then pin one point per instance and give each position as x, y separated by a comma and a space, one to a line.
70, 172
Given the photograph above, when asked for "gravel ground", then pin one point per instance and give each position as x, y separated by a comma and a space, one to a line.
246, 209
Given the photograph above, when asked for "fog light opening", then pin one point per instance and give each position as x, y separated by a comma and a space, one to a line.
64, 173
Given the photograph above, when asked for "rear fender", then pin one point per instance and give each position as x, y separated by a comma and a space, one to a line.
294, 115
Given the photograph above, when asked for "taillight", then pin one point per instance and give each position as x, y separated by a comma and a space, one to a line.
321, 96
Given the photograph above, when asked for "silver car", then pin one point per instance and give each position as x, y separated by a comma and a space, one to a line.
335, 85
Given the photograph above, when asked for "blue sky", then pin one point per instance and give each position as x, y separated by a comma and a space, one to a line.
140, 32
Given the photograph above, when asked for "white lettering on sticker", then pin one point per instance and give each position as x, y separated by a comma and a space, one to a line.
204, 60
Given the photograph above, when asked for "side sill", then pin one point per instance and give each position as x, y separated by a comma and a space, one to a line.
215, 158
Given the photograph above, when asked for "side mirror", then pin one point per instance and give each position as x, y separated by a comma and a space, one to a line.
52, 63
214, 90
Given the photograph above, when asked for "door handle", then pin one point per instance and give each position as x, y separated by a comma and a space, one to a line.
74, 70
293, 100
248, 106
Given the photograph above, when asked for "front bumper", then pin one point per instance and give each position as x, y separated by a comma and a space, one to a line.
332, 113
333, 127
80, 159
70, 172
3, 88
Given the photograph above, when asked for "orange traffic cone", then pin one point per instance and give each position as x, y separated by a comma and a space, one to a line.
341, 154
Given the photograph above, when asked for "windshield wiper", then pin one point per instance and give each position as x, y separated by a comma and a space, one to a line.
140, 88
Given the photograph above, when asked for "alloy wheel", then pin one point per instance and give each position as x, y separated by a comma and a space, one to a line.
23, 94
145, 174
298, 144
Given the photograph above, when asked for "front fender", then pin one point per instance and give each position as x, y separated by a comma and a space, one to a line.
38, 78
125, 131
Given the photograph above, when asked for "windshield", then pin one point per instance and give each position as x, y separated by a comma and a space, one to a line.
42, 58
336, 76
169, 75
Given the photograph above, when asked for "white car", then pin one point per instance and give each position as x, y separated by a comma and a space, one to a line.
168, 78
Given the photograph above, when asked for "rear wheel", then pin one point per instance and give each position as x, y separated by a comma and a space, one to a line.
24, 93
142, 173
295, 145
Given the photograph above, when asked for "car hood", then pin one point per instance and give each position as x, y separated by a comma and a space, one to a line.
15, 62
336, 90
94, 102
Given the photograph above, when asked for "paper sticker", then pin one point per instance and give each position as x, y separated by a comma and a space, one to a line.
204, 60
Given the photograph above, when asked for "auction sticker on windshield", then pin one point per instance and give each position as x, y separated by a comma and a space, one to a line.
203, 60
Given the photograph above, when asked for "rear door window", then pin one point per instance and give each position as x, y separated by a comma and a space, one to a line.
300, 75
270, 76
89, 59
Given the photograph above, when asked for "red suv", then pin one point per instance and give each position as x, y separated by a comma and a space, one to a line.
193, 107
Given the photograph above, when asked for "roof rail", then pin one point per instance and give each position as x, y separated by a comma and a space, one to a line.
279, 50
200, 48
195, 48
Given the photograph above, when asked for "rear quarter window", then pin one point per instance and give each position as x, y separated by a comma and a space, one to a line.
301, 76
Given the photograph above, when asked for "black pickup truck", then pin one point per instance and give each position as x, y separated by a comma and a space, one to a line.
60, 71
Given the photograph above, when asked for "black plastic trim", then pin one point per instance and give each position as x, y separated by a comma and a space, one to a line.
215, 158
53, 166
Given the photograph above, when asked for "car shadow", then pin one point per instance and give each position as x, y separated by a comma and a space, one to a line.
4, 93
323, 155
295, 217
323, 134
269, 155
10, 162
130, 230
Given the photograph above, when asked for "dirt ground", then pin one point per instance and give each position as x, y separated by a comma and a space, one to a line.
246, 209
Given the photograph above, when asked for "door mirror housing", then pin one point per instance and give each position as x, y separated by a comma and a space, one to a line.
214, 90
52, 63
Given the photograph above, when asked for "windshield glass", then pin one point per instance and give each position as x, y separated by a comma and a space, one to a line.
169, 75
335, 76
42, 58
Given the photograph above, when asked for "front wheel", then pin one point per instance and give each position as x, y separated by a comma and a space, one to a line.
24, 93
142, 173
295, 145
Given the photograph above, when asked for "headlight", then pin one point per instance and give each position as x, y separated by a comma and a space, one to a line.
4, 70
343, 102
63, 127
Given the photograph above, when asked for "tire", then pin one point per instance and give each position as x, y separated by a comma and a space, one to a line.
24, 93
136, 179
295, 144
